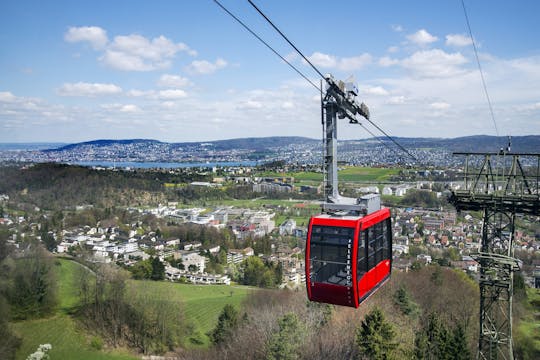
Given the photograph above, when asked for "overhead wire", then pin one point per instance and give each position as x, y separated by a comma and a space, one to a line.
319, 89
322, 76
286, 39
480, 67
267, 45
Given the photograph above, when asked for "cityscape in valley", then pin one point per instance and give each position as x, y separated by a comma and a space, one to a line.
226, 220
272, 180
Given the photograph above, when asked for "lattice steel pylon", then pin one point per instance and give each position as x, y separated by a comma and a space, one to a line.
501, 185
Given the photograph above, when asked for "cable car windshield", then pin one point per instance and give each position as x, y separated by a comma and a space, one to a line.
330, 254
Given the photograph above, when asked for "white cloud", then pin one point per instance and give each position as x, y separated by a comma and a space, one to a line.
355, 62
439, 105
6, 96
172, 94
323, 60
287, 105
375, 90
396, 100
137, 53
386, 61
292, 56
434, 63
458, 40
176, 81
95, 35
88, 89
206, 67
130, 52
250, 104
393, 49
129, 108
422, 37
397, 28
345, 64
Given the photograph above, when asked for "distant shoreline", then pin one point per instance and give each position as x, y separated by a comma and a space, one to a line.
162, 165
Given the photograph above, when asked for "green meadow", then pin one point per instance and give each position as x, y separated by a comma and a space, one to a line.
201, 306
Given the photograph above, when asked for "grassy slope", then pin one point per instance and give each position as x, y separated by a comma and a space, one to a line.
349, 173
60, 330
202, 304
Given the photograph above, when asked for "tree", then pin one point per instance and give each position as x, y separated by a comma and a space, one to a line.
434, 341
227, 322
285, 343
374, 336
141, 270
459, 349
33, 293
158, 269
403, 300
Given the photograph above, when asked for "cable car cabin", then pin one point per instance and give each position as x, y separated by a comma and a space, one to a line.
348, 257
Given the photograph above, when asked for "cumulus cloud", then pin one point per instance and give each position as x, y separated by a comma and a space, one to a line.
6, 96
129, 52
434, 63
375, 90
88, 89
345, 64
396, 100
458, 40
250, 104
137, 53
422, 37
439, 105
95, 35
205, 67
176, 81
171, 94
386, 61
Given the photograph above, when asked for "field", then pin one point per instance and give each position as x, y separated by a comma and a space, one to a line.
60, 330
202, 306
346, 173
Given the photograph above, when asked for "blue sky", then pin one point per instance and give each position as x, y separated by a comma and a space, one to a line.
185, 71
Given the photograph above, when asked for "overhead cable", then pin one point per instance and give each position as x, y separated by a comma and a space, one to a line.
480, 67
267, 45
286, 39
322, 76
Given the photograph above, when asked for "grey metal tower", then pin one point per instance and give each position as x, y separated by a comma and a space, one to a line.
340, 102
501, 185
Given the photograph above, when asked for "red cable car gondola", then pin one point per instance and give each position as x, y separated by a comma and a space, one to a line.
349, 246
348, 257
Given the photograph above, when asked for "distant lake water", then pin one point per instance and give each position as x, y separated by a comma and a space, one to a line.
162, 165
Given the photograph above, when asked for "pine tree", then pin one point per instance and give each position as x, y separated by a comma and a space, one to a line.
285, 342
374, 336
459, 347
227, 322
158, 269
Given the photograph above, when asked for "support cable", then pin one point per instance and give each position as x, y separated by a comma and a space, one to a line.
267, 45
286, 39
319, 89
480, 67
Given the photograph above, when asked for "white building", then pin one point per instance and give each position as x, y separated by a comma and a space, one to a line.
193, 258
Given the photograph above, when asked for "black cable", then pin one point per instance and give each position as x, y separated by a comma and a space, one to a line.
480, 67
394, 141
286, 39
266, 44
317, 70
385, 144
